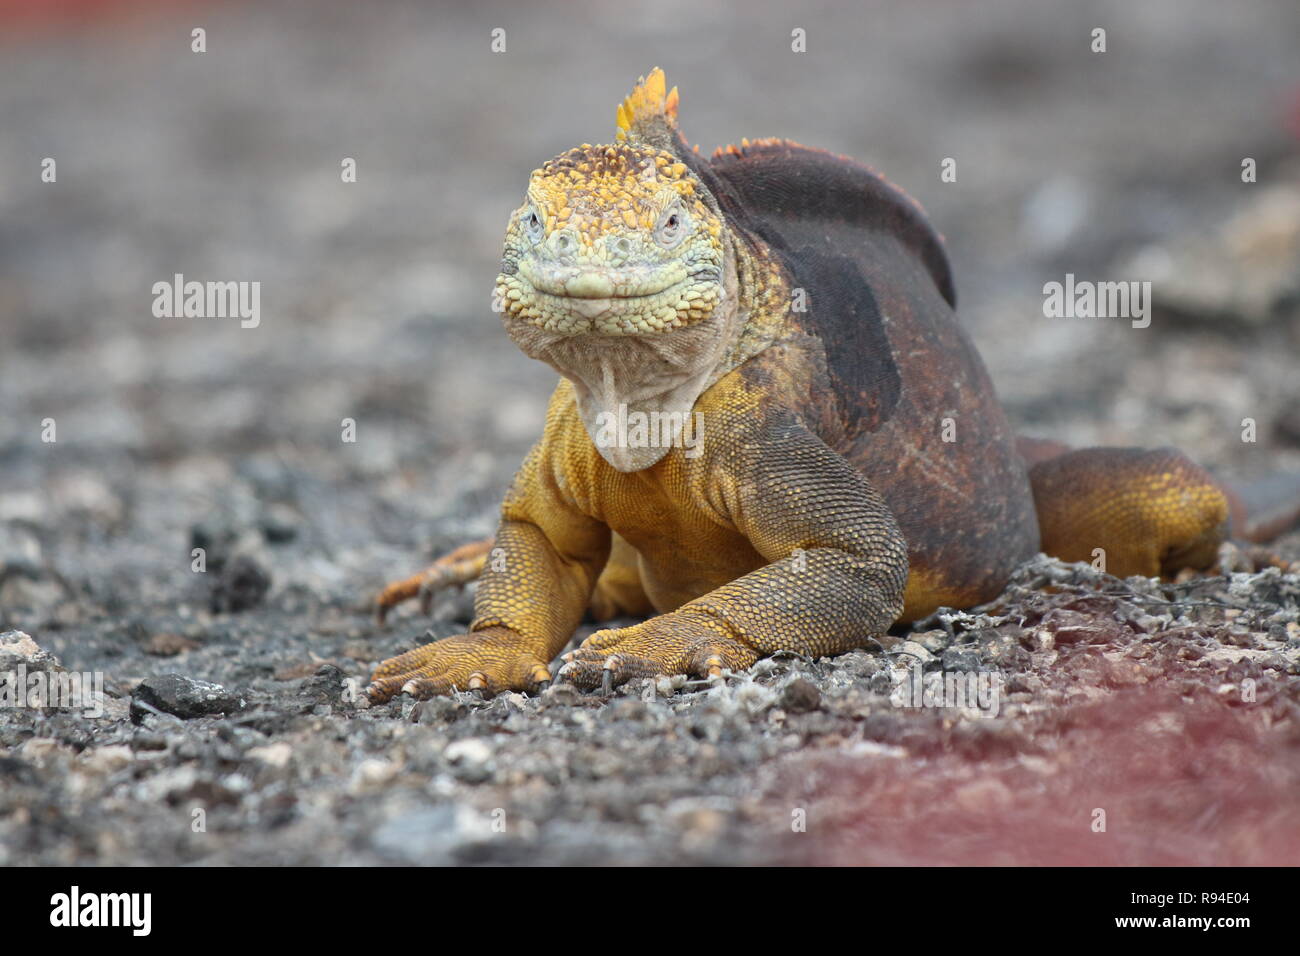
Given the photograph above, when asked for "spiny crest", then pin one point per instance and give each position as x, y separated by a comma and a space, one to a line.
746, 145
649, 114
618, 160
769, 144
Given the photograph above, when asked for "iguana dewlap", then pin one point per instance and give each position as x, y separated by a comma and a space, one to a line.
846, 464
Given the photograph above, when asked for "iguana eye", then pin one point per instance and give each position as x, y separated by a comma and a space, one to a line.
533, 225
672, 228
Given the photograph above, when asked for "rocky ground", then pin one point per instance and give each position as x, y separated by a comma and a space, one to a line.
230, 730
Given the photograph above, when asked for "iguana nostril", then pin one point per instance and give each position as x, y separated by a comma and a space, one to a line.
623, 246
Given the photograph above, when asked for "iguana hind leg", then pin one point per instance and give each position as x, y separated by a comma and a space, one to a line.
618, 590
454, 569
1147, 512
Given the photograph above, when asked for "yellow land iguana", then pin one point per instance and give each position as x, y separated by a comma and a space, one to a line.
794, 313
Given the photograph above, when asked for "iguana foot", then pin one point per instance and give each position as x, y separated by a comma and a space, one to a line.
489, 661
461, 566
677, 643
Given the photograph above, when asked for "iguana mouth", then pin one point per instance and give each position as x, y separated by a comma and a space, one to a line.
590, 308
588, 291
616, 297
592, 302
641, 281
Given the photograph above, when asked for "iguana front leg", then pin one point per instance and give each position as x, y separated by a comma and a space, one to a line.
525, 612
838, 572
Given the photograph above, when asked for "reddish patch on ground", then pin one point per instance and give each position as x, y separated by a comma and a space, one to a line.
1181, 782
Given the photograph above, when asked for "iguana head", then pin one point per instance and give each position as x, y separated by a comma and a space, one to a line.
618, 273
612, 239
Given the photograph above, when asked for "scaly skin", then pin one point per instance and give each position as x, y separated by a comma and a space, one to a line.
846, 463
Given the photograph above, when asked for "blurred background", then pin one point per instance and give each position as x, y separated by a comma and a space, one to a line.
225, 165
